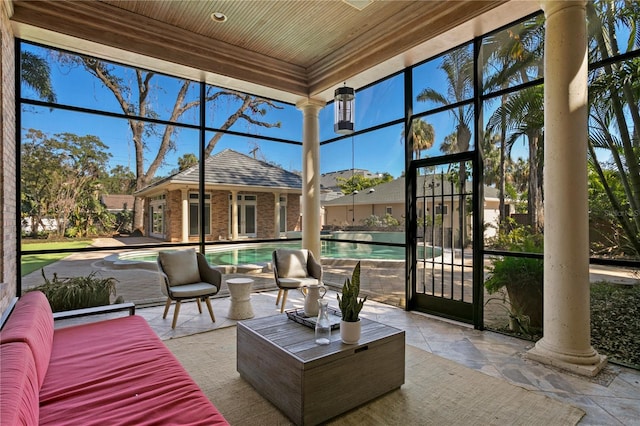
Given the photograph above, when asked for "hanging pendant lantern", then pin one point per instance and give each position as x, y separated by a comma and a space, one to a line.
344, 106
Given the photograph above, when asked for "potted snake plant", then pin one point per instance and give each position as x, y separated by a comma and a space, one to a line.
350, 306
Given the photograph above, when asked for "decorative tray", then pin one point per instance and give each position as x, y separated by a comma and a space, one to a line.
298, 316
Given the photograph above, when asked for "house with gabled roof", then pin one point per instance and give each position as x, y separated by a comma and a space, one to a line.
438, 201
244, 198
116, 203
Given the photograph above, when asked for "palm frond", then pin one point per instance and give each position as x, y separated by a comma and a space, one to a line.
429, 94
36, 73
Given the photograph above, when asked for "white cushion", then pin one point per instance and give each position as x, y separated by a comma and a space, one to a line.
296, 282
181, 266
292, 263
193, 290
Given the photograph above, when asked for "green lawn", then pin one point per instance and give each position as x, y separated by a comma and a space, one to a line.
34, 262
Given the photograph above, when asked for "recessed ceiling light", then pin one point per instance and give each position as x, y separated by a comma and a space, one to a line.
358, 4
218, 17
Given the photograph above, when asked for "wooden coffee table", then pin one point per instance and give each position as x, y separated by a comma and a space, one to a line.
311, 383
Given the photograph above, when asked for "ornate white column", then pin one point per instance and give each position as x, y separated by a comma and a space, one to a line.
567, 331
185, 214
311, 175
276, 215
234, 215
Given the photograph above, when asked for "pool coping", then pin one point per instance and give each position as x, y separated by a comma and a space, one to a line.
120, 261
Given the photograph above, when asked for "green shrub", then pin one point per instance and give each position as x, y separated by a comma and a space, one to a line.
520, 271
511, 269
381, 222
521, 277
66, 294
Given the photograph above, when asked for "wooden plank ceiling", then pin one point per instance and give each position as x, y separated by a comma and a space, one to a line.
300, 47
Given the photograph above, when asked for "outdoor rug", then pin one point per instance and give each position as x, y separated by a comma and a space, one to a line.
437, 391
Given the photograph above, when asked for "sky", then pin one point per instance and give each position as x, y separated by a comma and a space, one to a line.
377, 151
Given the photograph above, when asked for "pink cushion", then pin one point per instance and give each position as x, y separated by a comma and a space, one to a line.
32, 322
119, 372
18, 385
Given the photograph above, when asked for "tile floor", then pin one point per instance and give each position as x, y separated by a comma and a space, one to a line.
612, 398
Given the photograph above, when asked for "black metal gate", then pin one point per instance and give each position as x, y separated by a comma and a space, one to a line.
444, 238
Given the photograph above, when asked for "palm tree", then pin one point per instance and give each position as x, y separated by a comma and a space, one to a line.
615, 97
518, 175
513, 54
524, 116
450, 144
458, 69
494, 169
35, 73
423, 136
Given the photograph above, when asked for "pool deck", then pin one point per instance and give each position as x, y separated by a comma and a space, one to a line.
381, 280
140, 282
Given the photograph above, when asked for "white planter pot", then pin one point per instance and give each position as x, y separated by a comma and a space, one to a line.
350, 332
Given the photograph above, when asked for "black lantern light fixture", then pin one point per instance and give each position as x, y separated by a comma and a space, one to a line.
344, 107
353, 206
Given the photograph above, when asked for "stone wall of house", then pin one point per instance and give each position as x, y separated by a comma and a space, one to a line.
219, 216
146, 223
173, 216
8, 200
266, 215
294, 221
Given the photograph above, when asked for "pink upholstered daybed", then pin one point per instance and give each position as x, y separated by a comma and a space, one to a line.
110, 372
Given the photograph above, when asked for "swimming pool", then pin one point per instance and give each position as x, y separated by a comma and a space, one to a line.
260, 253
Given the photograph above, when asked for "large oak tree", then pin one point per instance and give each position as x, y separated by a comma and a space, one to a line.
136, 100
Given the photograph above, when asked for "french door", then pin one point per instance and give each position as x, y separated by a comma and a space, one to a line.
444, 238
247, 215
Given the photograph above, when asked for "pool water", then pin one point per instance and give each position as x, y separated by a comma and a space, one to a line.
261, 253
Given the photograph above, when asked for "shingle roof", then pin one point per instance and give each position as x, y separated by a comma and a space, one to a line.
230, 167
393, 192
118, 201
330, 180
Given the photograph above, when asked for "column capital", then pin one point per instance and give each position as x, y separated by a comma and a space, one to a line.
310, 105
8, 7
552, 6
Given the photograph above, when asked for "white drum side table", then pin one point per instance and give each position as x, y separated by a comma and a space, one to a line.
240, 291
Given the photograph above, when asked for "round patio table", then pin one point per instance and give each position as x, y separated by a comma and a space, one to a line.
240, 291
